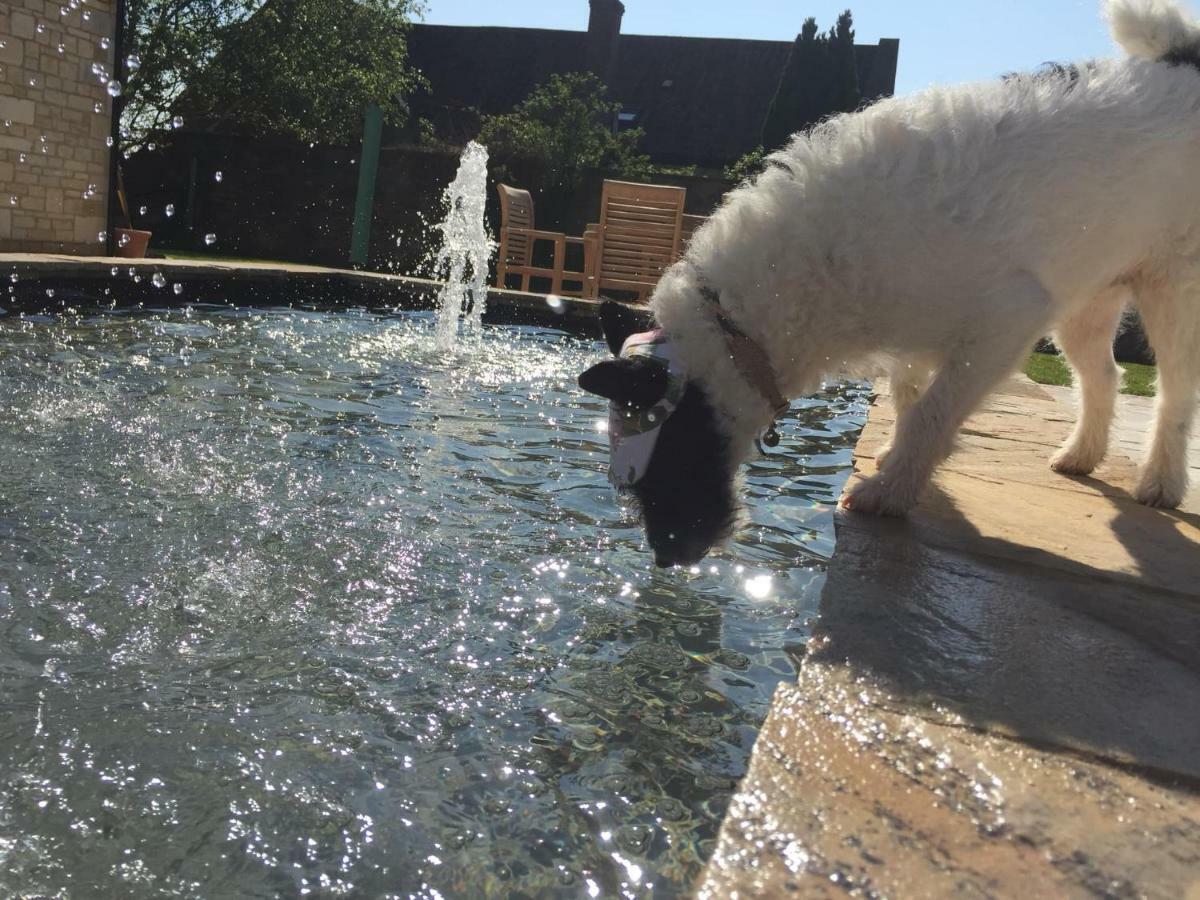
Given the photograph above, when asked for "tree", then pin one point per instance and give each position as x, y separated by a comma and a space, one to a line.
819, 79
843, 65
166, 43
565, 127
309, 68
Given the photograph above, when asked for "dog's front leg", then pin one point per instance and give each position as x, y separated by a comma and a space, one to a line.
925, 434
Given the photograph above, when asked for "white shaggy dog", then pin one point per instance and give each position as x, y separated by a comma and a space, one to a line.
933, 239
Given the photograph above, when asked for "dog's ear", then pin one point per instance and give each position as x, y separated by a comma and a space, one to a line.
619, 322
637, 382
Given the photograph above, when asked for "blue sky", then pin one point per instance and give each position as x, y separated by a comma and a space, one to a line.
941, 41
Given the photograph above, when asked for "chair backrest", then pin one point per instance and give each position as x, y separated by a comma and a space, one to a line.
516, 218
690, 224
640, 227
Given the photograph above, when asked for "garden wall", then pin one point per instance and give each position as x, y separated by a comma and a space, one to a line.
278, 199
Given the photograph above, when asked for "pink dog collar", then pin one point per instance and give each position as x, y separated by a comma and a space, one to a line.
632, 433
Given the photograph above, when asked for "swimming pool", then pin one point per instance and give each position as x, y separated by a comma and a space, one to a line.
291, 603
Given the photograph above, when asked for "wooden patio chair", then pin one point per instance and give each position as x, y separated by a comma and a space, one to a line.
637, 238
517, 239
690, 224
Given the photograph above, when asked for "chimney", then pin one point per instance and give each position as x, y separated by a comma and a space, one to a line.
604, 30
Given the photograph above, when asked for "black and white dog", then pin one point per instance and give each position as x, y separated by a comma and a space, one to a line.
930, 239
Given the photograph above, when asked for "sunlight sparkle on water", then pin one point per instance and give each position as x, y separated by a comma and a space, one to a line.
759, 587
328, 584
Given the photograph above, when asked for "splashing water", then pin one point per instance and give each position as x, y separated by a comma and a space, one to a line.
466, 249
291, 602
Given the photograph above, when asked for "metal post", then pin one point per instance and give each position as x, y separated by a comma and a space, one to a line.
364, 204
118, 103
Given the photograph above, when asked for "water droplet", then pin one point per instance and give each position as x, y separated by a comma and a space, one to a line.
159, 280
33, 82
64, 10
210, 239
12, 200
170, 210
41, 28
142, 210
133, 62
177, 122
49, 292
89, 192
108, 141
219, 175
42, 138
62, 48
97, 107
177, 288
14, 277
114, 88
8, 123
87, 15
124, 239
102, 236
105, 43
21, 157
114, 271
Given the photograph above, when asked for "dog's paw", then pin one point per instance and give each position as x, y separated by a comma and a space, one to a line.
1155, 489
1073, 460
875, 496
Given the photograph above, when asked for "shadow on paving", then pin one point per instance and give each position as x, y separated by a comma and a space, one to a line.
1060, 612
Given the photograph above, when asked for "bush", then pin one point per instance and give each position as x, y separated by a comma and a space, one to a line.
565, 128
747, 167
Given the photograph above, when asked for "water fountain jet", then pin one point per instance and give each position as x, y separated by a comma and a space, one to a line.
466, 251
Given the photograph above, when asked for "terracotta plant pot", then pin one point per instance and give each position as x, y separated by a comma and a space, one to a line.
132, 243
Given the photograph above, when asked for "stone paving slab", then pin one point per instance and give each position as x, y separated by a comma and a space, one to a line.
1002, 695
1132, 429
846, 797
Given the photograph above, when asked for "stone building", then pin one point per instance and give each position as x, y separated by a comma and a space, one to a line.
55, 119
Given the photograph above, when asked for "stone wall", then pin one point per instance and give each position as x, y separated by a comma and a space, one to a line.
55, 117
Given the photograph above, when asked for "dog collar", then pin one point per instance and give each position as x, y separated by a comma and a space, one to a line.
632, 433
751, 360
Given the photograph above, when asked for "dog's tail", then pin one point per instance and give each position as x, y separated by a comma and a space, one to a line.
1155, 30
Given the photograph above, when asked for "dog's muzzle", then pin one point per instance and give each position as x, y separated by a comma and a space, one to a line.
632, 433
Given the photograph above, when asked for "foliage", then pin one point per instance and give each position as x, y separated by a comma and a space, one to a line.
166, 43
820, 79
746, 167
309, 68
565, 129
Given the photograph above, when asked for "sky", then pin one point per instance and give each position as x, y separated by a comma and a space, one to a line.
941, 41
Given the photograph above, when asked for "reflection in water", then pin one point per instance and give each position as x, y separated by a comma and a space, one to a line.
290, 602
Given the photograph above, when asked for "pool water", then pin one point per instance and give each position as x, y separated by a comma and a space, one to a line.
291, 603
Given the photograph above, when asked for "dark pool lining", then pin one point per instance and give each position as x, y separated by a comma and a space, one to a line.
80, 286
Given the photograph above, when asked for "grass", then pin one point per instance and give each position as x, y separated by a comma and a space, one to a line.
1049, 368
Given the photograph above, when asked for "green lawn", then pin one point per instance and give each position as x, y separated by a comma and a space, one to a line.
1048, 368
